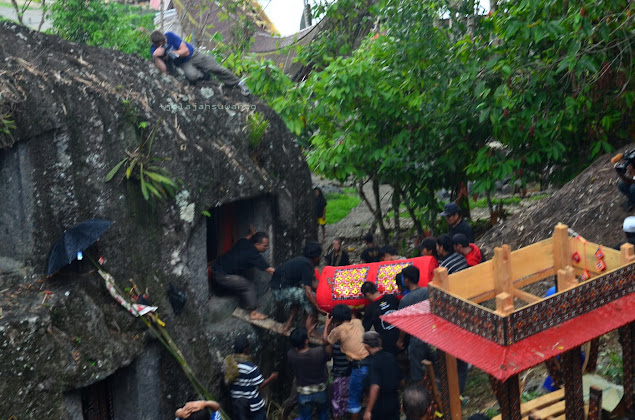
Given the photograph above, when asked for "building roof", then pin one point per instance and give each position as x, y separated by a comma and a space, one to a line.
505, 361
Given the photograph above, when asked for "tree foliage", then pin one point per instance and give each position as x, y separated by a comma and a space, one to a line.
532, 91
107, 25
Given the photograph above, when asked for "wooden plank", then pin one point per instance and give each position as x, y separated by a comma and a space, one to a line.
561, 254
552, 410
538, 403
542, 401
268, 324
525, 296
612, 258
564, 417
532, 259
473, 281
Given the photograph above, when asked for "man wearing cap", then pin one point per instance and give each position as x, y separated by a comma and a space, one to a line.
293, 284
384, 378
629, 229
230, 269
457, 224
470, 251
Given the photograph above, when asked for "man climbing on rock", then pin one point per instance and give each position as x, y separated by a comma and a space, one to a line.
195, 65
293, 284
230, 268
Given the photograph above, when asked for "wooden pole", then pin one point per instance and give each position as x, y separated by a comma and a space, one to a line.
628, 345
566, 278
503, 270
450, 392
627, 253
572, 378
561, 251
595, 403
508, 395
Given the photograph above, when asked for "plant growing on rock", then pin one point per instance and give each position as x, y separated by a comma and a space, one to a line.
154, 180
6, 126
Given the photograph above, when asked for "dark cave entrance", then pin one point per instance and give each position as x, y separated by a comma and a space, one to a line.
97, 401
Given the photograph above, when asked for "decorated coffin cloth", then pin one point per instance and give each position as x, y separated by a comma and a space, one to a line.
341, 285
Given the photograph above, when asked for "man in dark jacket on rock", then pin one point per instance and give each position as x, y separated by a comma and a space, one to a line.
231, 267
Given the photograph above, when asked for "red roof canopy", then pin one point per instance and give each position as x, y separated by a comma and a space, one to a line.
505, 361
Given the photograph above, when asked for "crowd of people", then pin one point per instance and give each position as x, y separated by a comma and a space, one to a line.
365, 349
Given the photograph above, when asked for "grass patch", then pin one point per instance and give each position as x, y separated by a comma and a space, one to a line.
340, 205
481, 203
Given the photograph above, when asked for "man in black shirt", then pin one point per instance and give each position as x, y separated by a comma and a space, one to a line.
457, 224
381, 305
309, 365
371, 253
384, 378
338, 257
293, 284
231, 267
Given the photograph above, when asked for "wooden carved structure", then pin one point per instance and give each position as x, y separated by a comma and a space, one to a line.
595, 295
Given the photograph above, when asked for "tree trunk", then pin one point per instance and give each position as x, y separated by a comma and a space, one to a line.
417, 223
375, 210
378, 213
396, 206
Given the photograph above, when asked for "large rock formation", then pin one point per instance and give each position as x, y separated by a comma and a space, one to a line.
66, 347
589, 204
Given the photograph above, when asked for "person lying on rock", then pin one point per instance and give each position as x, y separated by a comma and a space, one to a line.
195, 64
293, 283
230, 268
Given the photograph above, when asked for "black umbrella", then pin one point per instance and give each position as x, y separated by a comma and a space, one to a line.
74, 240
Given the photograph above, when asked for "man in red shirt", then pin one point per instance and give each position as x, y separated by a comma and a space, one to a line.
469, 250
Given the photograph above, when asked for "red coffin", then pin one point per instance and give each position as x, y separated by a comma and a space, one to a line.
341, 284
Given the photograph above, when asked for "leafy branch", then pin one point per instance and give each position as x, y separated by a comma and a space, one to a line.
154, 180
6, 125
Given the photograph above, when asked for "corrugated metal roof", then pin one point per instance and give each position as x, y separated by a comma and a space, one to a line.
505, 361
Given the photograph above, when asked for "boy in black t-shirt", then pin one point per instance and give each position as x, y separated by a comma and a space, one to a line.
381, 305
371, 253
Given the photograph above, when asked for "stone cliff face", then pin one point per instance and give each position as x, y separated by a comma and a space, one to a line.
65, 345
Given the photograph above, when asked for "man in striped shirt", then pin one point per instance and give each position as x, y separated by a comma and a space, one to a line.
448, 257
246, 381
